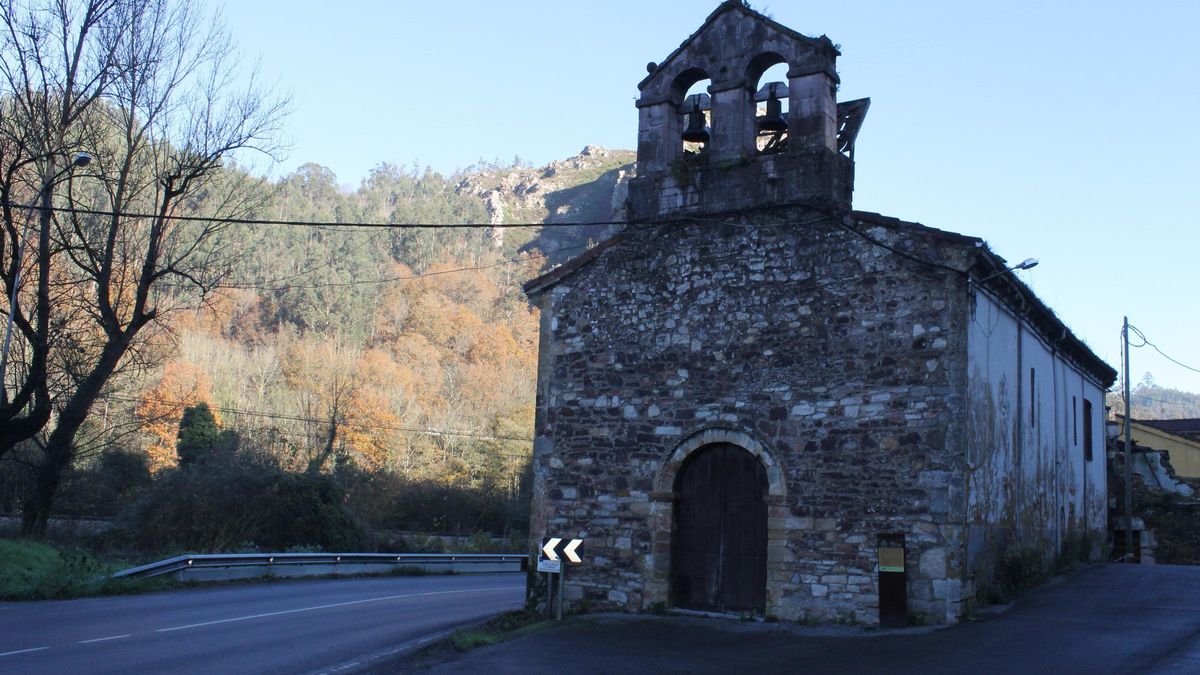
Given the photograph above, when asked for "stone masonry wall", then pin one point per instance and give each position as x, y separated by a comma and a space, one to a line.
840, 364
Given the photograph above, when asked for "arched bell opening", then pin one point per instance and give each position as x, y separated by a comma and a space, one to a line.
719, 533
771, 106
694, 106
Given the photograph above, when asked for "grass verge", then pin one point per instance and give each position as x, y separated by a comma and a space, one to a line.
31, 570
500, 629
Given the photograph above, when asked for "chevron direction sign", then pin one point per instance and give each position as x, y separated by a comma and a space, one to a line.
557, 546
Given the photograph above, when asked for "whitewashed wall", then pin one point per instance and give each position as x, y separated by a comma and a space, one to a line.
1030, 488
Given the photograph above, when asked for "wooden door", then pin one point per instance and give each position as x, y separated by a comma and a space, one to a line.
719, 543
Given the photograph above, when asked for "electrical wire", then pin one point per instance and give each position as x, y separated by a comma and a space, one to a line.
1181, 404
1139, 334
328, 263
1146, 342
298, 418
902, 254
331, 225
387, 280
683, 219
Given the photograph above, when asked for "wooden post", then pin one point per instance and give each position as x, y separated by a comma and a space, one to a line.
1128, 450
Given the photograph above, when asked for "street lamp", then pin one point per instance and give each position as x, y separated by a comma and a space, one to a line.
1023, 265
80, 160
1112, 429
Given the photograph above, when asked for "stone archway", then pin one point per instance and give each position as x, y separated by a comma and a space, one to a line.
719, 535
664, 480
718, 489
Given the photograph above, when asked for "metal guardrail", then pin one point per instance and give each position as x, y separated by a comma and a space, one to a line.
244, 565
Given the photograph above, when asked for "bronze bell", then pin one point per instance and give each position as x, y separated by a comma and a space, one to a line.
773, 122
696, 131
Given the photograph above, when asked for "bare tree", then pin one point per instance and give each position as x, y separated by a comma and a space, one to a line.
55, 63
168, 111
323, 378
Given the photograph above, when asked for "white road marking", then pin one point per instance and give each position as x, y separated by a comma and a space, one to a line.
336, 604
407, 646
24, 651
103, 639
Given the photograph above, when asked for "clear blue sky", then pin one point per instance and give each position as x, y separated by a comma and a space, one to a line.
1064, 130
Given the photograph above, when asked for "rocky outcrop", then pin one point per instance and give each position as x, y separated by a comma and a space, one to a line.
590, 187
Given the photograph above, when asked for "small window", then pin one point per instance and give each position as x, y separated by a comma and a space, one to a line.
1032, 397
1087, 430
1075, 419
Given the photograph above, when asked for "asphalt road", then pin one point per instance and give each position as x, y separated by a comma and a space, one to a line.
1104, 619
292, 627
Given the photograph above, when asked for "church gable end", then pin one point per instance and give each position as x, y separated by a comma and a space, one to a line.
755, 399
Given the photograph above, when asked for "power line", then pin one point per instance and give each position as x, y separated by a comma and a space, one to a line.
314, 224
1161, 353
681, 219
298, 418
902, 254
1181, 404
386, 280
331, 262
1139, 334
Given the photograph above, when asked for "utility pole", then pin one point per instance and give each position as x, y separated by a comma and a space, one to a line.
1128, 451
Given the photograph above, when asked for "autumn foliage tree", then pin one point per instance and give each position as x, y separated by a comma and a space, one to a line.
160, 409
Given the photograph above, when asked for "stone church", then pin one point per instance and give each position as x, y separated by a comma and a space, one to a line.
755, 399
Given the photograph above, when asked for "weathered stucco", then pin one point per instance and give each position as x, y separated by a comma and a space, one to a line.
1031, 491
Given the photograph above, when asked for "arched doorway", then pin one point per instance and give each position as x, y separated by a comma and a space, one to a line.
719, 535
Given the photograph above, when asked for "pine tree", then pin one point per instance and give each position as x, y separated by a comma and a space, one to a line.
199, 435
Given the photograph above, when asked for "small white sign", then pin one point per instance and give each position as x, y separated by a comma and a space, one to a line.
554, 566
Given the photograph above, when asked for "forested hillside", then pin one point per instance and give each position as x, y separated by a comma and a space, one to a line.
398, 362
1151, 401
357, 365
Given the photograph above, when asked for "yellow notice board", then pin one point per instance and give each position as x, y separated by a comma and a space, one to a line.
891, 560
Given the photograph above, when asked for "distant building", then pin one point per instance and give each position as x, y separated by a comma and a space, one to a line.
753, 390
1179, 438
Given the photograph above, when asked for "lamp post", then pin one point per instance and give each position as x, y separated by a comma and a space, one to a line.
1112, 431
80, 160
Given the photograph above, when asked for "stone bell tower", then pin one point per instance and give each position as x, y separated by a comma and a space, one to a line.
733, 147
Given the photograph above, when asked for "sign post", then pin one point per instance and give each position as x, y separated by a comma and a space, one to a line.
558, 612
551, 564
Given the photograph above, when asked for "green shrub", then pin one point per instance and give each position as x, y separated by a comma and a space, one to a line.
388, 501
115, 479
240, 502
